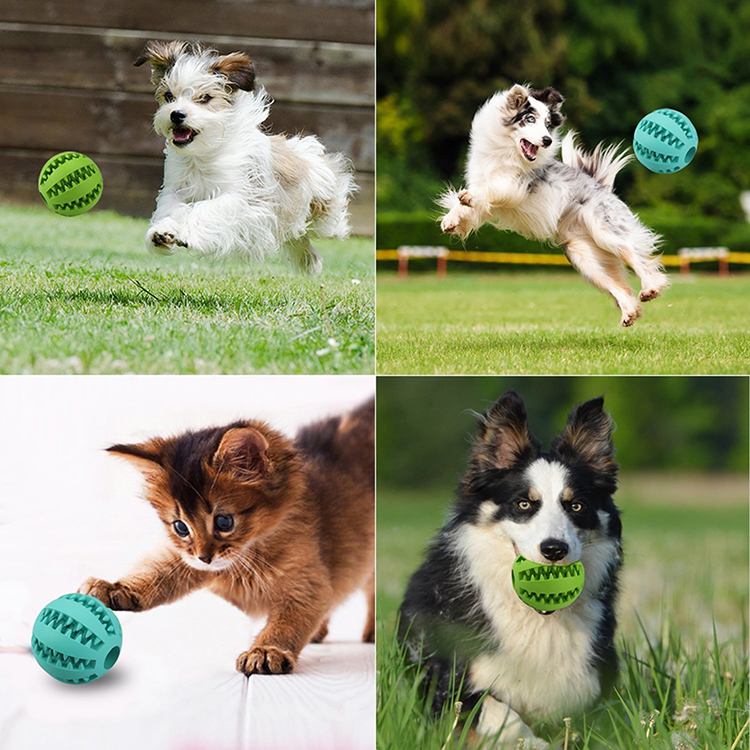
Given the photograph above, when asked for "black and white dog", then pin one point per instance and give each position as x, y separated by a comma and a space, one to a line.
460, 607
515, 181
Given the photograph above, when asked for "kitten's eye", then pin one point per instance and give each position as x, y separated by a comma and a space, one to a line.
524, 504
576, 507
531, 119
168, 96
224, 522
205, 99
181, 528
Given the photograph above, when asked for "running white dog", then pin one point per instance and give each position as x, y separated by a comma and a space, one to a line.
515, 182
230, 187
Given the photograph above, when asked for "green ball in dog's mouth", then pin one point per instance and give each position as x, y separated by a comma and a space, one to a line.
547, 588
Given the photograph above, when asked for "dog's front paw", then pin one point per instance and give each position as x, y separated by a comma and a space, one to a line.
456, 221
163, 240
266, 660
465, 198
113, 595
628, 318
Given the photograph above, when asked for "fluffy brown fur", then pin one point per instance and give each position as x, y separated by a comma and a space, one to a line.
302, 527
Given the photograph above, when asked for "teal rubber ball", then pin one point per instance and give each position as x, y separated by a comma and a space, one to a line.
665, 141
76, 639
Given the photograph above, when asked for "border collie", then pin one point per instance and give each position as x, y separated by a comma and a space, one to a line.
460, 611
515, 182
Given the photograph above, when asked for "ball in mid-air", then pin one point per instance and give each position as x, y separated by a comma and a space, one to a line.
76, 638
665, 141
547, 587
70, 184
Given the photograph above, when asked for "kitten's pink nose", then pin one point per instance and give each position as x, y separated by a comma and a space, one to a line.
205, 558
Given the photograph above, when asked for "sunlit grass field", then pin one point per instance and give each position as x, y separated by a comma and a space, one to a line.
83, 295
539, 323
682, 631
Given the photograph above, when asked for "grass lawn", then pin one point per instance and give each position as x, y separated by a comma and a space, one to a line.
537, 323
83, 295
686, 572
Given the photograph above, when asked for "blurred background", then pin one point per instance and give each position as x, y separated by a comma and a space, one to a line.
613, 61
67, 82
682, 445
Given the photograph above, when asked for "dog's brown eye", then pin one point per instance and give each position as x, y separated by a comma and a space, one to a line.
576, 507
168, 96
205, 99
524, 504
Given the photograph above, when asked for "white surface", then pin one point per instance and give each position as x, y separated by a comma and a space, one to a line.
69, 511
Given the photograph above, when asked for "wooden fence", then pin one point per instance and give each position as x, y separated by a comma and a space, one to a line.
67, 82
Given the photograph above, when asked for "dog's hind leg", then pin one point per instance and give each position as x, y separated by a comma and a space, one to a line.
648, 269
303, 255
500, 721
606, 272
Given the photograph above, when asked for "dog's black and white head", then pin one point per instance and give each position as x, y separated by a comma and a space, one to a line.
196, 89
528, 117
547, 505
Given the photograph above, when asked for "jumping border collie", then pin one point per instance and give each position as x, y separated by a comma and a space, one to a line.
460, 610
515, 182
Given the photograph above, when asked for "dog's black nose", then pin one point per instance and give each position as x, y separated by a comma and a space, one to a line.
178, 116
546, 141
554, 549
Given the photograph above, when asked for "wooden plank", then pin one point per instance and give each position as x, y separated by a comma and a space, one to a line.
318, 20
120, 123
131, 184
292, 71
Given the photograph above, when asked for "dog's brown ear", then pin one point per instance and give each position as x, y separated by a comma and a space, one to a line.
161, 56
587, 439
517, 96
503, 437
238, 69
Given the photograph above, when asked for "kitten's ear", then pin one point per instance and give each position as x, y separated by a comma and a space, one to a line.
243, 452
146, 456
587, 438
238, 68
504, 439
517, 97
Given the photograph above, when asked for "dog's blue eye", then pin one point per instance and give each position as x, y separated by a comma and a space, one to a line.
531, 119
224, 522
181, 528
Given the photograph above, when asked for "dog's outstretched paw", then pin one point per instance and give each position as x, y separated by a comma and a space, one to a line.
628, 318
113, 595
646, 295
163, 241
465, 198
266, 660
455, 222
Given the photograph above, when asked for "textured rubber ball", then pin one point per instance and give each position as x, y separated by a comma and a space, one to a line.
665, 141
76, 639
547, 587
70, 184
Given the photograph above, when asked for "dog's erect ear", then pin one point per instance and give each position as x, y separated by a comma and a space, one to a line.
517, 97
243, 452
503, 438
161, 56
238, 68
148, 456
587, 438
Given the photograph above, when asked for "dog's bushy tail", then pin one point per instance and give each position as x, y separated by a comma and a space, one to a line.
602, 164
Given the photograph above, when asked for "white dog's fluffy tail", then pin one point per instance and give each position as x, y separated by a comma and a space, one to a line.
602, 164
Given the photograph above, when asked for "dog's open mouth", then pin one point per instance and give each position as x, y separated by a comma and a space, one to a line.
182, 136
529, 150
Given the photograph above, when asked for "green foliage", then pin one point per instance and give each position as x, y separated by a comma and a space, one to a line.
614, 62
665, 424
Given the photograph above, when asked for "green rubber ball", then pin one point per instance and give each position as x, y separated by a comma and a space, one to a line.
665, 141
547, 587
70, 184
76, 639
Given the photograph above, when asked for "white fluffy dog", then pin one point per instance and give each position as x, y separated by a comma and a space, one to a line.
230, 187
515, 182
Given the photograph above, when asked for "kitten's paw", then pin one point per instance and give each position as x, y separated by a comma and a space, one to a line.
369, 635
320, 636
266, 660
114, 595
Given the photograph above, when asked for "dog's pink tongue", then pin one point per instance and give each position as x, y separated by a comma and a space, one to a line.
181, 134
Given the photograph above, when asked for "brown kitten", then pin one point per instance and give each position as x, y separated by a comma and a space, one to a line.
277, 528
